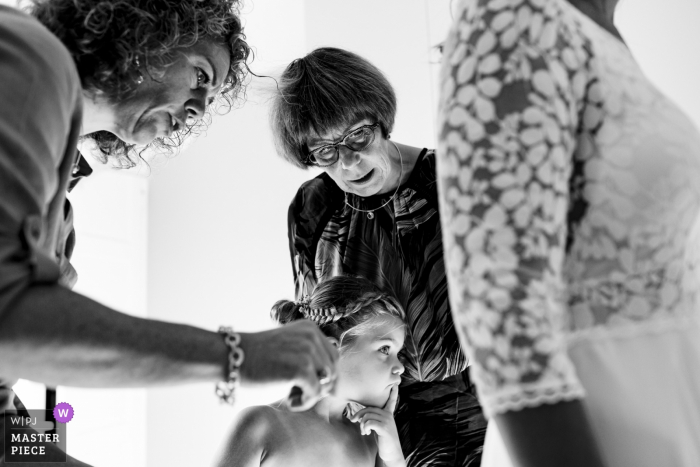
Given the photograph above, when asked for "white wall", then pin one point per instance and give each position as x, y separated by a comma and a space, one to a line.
110, 257
664, 37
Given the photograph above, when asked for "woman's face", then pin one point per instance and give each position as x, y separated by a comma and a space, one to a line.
374, 170
369, 367
163, 102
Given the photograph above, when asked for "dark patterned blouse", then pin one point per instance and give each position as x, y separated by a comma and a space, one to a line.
400, 250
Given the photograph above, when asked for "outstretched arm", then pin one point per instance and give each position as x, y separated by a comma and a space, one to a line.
59, 337
52, 335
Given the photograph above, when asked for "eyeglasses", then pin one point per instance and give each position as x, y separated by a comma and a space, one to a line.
356, 140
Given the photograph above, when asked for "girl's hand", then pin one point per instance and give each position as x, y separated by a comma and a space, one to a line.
381, 422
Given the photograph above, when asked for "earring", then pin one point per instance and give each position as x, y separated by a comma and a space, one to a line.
139, 78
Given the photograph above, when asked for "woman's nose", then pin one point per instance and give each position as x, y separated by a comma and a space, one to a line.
348, 158
196, 106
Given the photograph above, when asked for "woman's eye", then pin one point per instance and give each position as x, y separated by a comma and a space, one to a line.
357, 137
324, 153
385, 349
202, 77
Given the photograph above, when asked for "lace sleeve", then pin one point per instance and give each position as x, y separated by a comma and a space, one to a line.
507, 134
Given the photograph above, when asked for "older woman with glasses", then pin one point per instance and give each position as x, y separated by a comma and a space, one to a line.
373, 212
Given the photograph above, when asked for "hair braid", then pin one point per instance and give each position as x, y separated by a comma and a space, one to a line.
342, 307
366, 301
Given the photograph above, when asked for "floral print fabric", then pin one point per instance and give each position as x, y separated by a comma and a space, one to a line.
399, 250
569, 196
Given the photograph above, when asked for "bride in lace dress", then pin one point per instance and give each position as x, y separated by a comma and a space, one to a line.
570, 202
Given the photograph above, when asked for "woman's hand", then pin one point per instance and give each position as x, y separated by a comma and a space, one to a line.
297, 353
381, 422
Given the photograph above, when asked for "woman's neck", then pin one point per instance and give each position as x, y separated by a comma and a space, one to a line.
407, 157
97, 115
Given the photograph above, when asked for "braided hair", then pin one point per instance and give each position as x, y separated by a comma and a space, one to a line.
342, 306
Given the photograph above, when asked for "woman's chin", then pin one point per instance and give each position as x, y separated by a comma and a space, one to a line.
363, 191
143, 136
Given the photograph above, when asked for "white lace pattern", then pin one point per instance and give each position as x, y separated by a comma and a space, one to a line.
570, 193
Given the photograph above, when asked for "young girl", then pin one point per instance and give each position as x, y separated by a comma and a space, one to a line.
368, 329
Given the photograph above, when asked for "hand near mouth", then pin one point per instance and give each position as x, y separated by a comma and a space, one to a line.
381, 422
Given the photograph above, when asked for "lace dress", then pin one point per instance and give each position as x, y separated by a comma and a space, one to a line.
570, 194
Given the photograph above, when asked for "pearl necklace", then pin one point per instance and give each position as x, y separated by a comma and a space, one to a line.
370, 212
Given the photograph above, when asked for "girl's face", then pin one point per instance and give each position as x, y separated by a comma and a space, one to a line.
370, 366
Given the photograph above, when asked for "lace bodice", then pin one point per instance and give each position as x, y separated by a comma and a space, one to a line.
570, 192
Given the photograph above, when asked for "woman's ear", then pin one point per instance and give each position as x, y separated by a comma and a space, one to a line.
334, 342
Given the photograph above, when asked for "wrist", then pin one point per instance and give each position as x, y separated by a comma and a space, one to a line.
226, 389
395, 460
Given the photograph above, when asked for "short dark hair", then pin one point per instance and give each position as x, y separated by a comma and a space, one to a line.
353, 299
327, 89
108, 38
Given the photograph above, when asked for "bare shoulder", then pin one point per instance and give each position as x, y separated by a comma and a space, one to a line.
259, 417
246, 444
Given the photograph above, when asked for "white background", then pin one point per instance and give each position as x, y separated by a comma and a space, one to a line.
201, 238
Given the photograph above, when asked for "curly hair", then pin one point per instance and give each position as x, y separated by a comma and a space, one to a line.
342, 306
109, 40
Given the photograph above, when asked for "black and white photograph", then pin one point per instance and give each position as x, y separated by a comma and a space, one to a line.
321, 233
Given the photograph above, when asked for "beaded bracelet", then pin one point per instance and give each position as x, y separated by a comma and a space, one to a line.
226, 389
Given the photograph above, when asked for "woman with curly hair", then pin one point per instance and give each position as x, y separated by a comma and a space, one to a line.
127, 74
149, 69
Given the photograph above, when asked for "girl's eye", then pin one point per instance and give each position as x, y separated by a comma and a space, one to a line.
385, 349
202, 77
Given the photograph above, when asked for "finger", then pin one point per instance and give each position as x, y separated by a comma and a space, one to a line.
361, 413
330, 349
390, 405
376, 426
327, 388
320, 351
328, 353
320, 342
308, 392
370, 418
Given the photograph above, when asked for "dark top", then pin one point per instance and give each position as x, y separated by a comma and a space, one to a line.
400, 250
41, 98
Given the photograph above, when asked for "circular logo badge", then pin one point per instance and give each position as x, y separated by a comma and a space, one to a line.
63, 412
